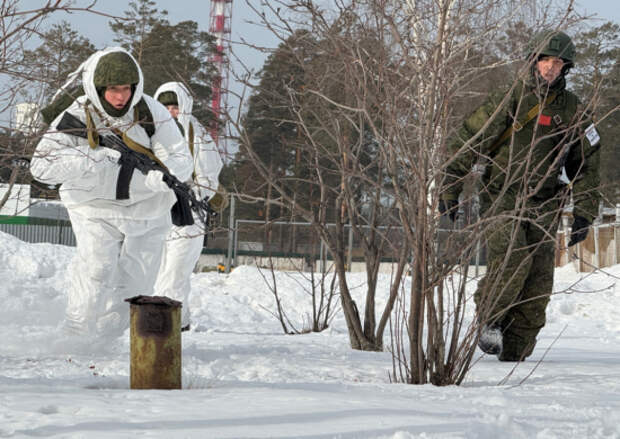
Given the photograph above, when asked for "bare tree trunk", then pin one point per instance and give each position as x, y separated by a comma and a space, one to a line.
400, 268
11, 183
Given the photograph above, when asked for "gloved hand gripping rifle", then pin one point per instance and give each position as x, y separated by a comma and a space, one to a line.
130, 160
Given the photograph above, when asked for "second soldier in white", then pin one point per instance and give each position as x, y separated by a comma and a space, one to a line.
184, 244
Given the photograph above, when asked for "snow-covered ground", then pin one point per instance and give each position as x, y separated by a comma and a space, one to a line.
242, 378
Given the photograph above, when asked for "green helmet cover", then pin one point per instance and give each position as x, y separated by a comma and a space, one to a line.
553, 43
116, 68
168, 98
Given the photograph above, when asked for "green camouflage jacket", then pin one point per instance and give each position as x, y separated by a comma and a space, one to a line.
529, 161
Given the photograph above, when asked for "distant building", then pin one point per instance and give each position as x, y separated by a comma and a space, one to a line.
27, 118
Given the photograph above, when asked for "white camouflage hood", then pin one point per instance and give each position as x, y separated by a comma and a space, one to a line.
87, 71
184, 98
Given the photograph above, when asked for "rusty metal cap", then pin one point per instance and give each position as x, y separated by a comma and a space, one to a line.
154, 300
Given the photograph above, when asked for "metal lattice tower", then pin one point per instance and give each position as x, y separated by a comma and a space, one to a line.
219, 26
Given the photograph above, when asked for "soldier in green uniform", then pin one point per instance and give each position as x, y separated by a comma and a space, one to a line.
524, 137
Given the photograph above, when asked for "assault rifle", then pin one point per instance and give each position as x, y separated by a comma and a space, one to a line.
130, 160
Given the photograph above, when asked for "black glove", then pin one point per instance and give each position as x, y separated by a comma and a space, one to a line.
579, 230
449, 207
181, 212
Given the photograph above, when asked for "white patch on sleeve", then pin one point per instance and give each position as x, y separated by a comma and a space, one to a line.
592, 135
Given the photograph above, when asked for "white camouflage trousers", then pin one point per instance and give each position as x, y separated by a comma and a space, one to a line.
182, 251
116, 259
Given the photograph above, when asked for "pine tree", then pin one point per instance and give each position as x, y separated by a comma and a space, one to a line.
597, 79
269, 124
62, 51
141, 17
180, 53
168, 52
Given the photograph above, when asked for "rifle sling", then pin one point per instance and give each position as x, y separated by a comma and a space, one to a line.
518, 125
91, 130
123, 180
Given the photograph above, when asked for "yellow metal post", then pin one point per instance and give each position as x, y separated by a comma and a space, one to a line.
155, 332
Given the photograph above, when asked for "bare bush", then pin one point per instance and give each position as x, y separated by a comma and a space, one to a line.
376, 92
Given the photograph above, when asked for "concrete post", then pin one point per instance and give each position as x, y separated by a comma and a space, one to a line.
155, 332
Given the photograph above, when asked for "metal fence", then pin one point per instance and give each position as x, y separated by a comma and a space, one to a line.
34, 230
297, 242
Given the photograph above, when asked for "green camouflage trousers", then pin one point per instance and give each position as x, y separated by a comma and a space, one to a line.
519, 280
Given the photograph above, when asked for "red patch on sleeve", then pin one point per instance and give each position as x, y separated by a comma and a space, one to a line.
544, 120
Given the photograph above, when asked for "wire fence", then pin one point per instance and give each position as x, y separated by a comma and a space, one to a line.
35, 230
296, 245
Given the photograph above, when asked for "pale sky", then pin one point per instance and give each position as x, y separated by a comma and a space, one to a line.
96, 28
606, 10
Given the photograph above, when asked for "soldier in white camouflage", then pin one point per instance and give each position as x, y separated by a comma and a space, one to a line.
184, 243
120, 237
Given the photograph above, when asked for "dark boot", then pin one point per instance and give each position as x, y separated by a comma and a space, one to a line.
516, 348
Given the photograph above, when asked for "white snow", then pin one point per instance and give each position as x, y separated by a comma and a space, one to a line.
243, 378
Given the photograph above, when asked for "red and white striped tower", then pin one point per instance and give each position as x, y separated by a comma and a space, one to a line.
219, 26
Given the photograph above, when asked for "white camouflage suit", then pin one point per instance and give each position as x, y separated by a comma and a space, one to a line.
184, 244
119, 242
